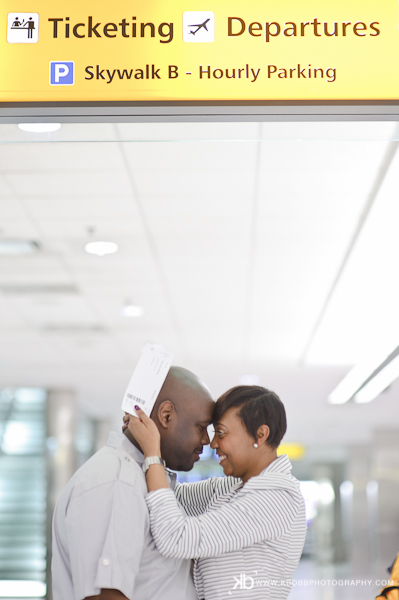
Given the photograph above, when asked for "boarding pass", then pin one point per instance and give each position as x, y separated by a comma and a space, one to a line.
147, 379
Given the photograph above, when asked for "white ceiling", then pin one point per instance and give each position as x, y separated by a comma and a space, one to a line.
230, 235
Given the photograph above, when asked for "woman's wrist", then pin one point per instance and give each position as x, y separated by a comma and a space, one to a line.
156, 451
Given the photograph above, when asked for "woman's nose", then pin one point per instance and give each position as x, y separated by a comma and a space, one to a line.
214, 443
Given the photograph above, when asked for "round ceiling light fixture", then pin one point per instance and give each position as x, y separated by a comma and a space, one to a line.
131, 310
101, 248
39, 127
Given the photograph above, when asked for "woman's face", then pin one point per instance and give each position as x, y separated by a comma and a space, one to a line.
234, 445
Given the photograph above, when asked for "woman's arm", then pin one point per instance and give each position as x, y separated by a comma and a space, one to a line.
252, 518
195, 497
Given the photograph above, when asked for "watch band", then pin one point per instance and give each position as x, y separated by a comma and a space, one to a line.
152, 460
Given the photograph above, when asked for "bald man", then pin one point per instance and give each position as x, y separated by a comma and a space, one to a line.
102, 545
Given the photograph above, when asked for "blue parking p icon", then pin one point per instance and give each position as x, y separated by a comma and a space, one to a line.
62, 72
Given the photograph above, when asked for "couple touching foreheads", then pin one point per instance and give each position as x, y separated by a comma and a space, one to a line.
123, 528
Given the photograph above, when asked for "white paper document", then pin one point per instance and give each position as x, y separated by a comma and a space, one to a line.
147, 379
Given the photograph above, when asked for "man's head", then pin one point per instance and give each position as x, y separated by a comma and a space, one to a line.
182, 413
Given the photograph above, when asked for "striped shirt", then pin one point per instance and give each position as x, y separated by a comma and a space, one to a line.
246, 539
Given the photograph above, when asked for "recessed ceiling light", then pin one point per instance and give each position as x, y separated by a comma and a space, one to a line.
39, 127
130, 310
101, 248
17, 247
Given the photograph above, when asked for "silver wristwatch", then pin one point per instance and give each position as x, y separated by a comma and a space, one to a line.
152, 460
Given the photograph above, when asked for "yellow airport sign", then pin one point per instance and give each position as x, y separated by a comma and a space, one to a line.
185, 51
293, 451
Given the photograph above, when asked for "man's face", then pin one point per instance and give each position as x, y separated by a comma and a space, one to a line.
188, 434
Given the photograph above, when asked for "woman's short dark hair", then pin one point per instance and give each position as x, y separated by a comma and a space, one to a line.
258, 406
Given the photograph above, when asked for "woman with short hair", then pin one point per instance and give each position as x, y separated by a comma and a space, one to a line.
245, 531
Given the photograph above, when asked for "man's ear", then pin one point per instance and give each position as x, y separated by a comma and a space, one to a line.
164, 413
263, 434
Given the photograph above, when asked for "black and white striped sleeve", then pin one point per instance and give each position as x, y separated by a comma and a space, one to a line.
252, 518
195, 497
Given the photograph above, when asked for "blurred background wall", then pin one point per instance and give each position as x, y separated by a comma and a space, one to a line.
257, 253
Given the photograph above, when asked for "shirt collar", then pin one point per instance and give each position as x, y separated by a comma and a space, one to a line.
280, 465
171, 477
276, 476
119, 440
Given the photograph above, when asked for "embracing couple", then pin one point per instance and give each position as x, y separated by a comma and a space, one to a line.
123, 528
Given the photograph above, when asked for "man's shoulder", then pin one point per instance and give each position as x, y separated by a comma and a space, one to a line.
106, 467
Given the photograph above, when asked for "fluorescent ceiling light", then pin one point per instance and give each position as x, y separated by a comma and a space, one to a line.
17, 247
39, 127
130, 310
379, 383
357, 376
101, 248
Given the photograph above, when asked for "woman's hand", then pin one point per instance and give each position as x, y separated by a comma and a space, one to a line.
145, 432
126, 419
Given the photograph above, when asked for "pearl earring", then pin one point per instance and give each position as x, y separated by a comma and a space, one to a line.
255, 445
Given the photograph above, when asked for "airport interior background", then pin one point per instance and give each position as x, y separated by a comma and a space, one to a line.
258, 253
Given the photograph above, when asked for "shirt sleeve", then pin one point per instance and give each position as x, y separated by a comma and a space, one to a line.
255, 517
195, 497
106, 529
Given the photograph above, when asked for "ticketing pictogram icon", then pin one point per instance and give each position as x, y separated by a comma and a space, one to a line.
22, 28
198, 26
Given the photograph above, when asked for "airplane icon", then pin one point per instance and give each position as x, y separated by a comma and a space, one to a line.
202, 21
199, 26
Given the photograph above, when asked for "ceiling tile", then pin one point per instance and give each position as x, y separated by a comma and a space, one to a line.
68, 182
73, 156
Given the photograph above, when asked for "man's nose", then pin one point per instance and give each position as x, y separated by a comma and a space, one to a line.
205, 439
